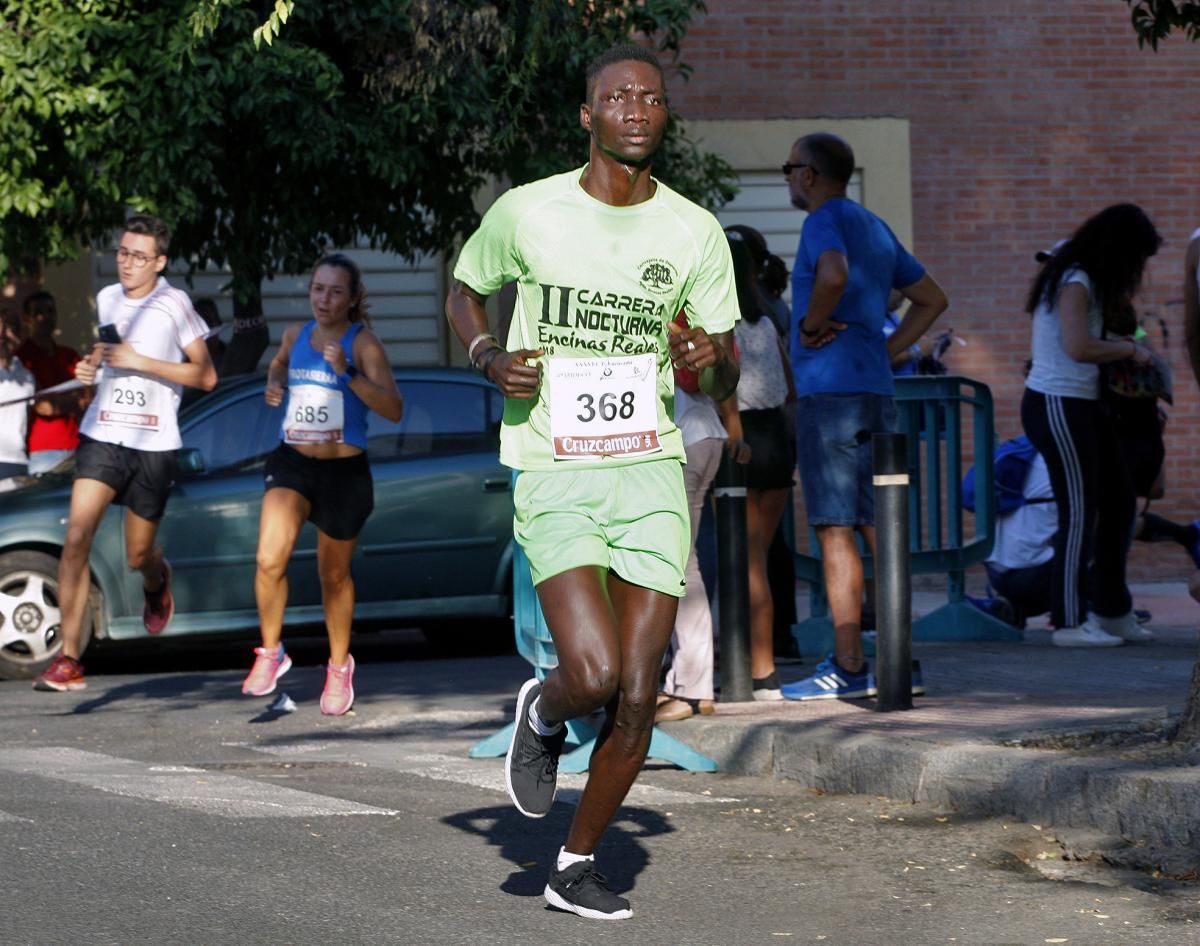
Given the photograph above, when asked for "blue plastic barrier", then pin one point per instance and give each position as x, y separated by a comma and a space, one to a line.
937, 525
535, 644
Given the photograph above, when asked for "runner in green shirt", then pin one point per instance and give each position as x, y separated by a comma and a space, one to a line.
604, 258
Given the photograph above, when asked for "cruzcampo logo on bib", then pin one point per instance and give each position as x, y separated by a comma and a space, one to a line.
603, 407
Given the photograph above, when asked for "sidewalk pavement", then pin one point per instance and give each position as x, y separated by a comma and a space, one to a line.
1063, 737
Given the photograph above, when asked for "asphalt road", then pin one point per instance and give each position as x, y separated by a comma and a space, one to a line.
161, 806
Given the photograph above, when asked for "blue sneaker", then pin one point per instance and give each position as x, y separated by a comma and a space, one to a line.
918, 681
831, 682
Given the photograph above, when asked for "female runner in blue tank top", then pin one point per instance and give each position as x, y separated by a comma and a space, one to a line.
330, 372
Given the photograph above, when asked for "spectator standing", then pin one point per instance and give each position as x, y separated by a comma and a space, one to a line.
1082, 318
763, 389
1191, 301
688, 686
847, 262
54, 429
770, 282
16, 384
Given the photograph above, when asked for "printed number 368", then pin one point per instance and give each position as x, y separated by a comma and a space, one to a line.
607, 407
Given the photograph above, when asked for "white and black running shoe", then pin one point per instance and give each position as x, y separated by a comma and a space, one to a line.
581, 889
531, 766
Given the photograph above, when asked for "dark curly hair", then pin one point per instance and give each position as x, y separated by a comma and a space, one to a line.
1112, 248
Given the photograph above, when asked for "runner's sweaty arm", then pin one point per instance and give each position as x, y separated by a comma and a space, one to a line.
711, 355
510, 371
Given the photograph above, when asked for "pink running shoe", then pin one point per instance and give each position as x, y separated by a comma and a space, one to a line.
160, 605
338, 695
268, 667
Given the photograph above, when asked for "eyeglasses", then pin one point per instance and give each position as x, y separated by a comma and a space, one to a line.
138, 259
788, 168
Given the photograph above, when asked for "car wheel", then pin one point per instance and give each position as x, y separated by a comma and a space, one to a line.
30, 621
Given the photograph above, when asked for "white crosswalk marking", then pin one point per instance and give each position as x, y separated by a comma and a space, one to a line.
181, 786
446, 760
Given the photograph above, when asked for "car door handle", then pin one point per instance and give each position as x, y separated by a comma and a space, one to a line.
496, 485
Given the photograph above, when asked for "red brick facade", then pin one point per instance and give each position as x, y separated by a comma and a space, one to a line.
1026, 117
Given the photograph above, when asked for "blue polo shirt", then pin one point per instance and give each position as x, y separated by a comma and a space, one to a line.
855, 362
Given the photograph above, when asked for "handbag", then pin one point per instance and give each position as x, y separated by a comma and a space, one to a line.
1127, 378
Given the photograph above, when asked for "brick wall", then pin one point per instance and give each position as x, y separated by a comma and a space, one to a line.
1026, 117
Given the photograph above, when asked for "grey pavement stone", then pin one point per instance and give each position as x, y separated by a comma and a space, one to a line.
1070, 738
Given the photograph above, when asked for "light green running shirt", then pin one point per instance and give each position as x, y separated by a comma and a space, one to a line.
596, 287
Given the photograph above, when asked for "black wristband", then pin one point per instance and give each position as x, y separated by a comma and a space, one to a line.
807, 334
484, 361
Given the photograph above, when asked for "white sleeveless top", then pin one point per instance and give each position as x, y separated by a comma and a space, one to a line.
762, 384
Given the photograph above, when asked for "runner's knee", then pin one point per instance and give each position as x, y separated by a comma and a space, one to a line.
271, 565
592, 680
137, 559
334, 577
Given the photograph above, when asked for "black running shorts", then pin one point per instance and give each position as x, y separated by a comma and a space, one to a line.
142, 478
340, 492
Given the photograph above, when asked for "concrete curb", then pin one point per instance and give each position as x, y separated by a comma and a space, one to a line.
1116, 793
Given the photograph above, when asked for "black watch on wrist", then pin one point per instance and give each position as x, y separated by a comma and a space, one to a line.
809, 334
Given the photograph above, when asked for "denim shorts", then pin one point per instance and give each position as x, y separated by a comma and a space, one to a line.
833, 450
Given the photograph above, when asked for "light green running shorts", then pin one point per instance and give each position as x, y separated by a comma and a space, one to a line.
630, 519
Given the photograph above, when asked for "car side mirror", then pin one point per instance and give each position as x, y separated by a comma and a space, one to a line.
190, 460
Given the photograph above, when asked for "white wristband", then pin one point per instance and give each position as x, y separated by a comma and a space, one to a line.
482, 336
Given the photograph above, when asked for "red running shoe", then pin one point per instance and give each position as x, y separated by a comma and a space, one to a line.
64, 673
160, 605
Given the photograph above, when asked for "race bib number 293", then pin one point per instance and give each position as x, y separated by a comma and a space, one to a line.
603, 407
130, 401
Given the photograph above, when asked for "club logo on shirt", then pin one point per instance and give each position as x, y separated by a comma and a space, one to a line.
657, 275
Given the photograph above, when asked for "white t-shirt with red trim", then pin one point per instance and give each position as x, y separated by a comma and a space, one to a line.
134, 409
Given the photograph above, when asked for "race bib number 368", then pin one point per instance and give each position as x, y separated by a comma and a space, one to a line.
603, 407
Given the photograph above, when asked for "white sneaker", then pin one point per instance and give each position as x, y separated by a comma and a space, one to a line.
1125, 627
1087, 634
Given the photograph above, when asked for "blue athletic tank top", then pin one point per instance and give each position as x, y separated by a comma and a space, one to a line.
304, 417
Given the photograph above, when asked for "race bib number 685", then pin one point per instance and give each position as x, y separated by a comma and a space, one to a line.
603, 407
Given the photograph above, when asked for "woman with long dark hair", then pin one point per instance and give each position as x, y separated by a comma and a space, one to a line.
332, 371
1083, 318
764, 388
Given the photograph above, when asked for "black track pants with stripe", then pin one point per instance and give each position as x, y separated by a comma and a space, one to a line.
1096, 505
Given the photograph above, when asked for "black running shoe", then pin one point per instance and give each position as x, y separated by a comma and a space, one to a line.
581, 889
531, 766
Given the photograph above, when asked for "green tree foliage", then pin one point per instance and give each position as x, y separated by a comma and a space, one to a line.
372, 119
1154, 20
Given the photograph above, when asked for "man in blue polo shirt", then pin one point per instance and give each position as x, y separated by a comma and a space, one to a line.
847, 263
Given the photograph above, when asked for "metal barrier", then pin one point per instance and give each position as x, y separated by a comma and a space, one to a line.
930, 412
535, 644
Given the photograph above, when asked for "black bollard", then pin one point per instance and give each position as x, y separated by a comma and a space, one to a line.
733, 582
893, 574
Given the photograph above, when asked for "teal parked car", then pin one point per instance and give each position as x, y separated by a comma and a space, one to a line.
438, 547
